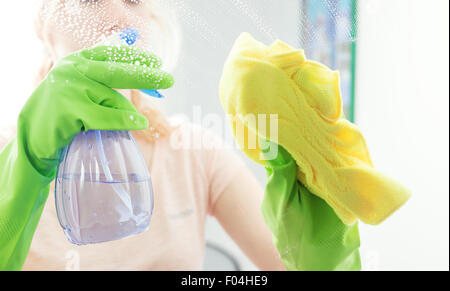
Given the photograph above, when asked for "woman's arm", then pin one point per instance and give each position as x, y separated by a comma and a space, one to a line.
238, 211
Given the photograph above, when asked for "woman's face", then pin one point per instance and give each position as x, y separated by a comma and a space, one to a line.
70, 25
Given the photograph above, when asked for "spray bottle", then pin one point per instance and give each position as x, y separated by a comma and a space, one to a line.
103, 189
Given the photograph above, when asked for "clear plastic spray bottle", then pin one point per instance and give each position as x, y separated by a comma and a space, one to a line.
103, 190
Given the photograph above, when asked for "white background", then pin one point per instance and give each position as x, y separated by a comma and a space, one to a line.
402, 108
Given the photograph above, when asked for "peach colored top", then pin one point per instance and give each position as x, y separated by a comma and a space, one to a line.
186, 181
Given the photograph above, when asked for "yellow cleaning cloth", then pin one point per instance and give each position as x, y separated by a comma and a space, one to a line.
331, 153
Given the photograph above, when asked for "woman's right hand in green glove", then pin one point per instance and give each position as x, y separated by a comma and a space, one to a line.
76, 95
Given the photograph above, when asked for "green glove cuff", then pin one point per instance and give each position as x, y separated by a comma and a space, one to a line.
23, 192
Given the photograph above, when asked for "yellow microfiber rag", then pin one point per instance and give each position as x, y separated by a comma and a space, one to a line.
331, 153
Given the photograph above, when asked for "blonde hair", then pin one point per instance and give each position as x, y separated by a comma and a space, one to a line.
168, 46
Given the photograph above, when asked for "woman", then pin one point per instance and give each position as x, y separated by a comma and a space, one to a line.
190, 184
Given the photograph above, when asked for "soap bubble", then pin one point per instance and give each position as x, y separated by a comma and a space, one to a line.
325, 29
84, 23
193, 38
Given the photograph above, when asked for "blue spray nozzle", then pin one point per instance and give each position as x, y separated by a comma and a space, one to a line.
130, 35
152, 93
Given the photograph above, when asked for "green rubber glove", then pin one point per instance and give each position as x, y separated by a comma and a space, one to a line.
306, 232
76, 95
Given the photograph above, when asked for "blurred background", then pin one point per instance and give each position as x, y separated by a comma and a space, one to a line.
393, 59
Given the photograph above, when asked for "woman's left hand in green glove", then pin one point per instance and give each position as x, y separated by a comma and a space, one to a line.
306, 231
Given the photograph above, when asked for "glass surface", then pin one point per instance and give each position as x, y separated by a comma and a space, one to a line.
328, 35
